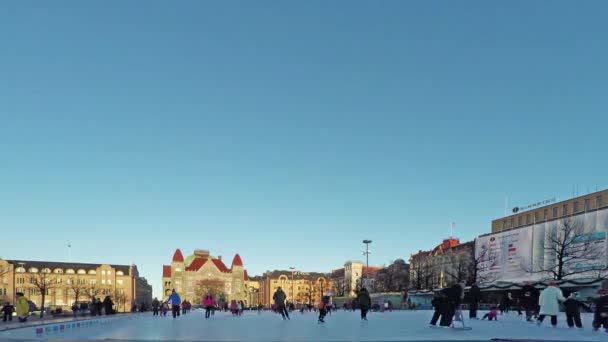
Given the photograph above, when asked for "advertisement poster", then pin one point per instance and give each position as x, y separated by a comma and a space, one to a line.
504, 255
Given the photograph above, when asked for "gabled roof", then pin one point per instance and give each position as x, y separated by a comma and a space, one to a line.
220, 265
166, 271
196, 264
178, 256
237, 261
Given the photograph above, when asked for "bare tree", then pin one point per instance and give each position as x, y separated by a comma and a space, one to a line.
458, 268
393, 278
422, 273
77, 286
121, 298
571, 251
43, 281
339, 287
208, 286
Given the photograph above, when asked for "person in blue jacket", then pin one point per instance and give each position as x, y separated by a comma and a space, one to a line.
175, 301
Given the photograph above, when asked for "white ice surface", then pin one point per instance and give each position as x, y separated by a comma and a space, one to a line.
340, 326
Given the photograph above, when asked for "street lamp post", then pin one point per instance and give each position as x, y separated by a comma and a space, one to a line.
367, 252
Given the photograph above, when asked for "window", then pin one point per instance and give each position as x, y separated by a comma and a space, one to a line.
575, 207
33, 270
109, 272
512, 222
92, 272
58, 271
177, 269
20, 270
587, 202
535, 216
58, 280
92, 281
528, 219
21, 280
519, 219
565, 210
81, 271
103, 281
46, 270
120, 273
545, 214
69, 271
68, 281
598, 202
119, 282
103, 272
504, 224
555, 212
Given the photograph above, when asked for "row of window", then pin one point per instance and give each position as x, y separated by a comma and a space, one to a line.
68, 271
555, 213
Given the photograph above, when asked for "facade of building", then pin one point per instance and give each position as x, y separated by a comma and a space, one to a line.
444, 265
543, 213
144, 292
65, 283
353, 275
200, 273
546, 240
300, 287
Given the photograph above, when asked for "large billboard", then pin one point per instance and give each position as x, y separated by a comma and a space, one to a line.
503, 255
527, 253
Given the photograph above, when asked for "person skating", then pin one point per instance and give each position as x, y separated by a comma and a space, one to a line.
22, 307
549, 303
529, 300
164, 308
573, 310
439, 303
505, 303
7, 312
492, 315
323, 307
279, 300
600, 316
364, 301
474, 298
454, 299
107, 305
208, 304
175, 301
155, 306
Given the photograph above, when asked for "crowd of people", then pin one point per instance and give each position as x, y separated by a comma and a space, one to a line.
537, 305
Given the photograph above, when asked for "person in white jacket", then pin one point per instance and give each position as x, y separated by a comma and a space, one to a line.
549, 303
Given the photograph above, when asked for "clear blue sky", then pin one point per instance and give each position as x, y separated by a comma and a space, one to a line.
289, 131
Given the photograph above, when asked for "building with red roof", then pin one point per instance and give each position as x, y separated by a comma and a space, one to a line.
446, 264
200, 273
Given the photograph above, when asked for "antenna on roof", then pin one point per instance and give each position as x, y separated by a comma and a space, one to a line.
452, 229
69, 252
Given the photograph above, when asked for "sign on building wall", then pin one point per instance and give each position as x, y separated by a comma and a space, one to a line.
523, 254
503, 255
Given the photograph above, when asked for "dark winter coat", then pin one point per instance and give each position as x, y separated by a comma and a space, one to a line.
279, 297
529, 297
474, 294
454, 295
601, 304
364, 300
8, 309
155, 304
573, 306
107, 305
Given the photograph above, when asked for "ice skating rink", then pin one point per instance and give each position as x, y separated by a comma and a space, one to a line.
340, 326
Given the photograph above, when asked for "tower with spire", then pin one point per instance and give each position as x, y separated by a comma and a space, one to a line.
201, 273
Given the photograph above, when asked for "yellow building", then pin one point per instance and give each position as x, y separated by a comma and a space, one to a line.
65, 283
200, 273
299, 287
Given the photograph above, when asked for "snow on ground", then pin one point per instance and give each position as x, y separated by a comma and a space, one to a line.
340, 326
